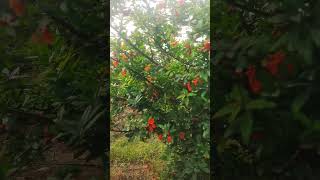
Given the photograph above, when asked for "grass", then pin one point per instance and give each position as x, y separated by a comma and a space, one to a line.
130, 159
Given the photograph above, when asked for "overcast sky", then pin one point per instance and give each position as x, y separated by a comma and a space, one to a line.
130, 27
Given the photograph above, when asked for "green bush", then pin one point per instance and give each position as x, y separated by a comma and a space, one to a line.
266, 89
164, 77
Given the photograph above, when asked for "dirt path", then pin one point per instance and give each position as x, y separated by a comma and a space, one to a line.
132, 172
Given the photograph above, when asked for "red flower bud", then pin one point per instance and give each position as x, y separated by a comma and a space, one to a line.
254, 84
151, 121
115, 63
124, 72
169, 139
188, 86
182, 135
206, 46
274, 61
47, 36
195, 81
17, 6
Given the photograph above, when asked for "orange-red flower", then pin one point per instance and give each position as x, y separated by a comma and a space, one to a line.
160, 136
151, 121
188, 86
169, 139
147, 68
254, 84
251, 72
124, 57
174, 43
206, 46
47, 36
151, 124
43, 36
115, 63
17, 6
182, 136
188, 47
124, 72
195, 81
274, 61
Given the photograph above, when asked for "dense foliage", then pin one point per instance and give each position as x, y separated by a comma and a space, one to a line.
164, 78
266, 89
53, 77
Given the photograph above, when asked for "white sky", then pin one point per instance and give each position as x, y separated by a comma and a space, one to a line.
130, 27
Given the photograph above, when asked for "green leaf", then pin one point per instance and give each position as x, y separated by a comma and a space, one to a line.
182, 96
260, 104
299, 101
304, 120
192, 94
206, 170
246, 127
228, 109
203, 96
296, 106
315, 36
307, 54
234, 113
92, 121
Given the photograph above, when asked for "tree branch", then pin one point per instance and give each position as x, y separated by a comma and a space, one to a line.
121, 131
135, 47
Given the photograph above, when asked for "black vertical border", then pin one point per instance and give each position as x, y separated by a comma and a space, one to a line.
213, 153
107, 99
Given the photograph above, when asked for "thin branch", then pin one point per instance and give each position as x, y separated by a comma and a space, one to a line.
135, 47
121, 131
141, 76
172, 56
168, 54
